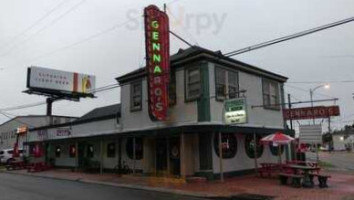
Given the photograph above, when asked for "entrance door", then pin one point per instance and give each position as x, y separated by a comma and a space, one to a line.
161, 156
205, 151
81, 154
174, 151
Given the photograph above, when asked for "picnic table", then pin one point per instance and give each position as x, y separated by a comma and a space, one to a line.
16, 165
308, 183
38, 167
269, 168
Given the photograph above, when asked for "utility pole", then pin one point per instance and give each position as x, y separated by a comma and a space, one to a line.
291, 120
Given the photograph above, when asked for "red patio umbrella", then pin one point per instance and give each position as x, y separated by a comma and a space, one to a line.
277, 138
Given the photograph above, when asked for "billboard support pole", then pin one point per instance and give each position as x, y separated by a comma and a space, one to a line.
49, 106
49, 109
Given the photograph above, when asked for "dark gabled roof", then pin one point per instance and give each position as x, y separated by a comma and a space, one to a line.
33, 116
196, 53
111, 111
102, 113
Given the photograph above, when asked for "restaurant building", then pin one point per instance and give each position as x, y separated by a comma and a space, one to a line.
187, 143
8, 129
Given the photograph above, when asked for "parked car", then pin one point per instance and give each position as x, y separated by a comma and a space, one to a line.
6, 155
324, 148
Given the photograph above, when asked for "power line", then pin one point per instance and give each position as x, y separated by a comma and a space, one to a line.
307, 91
182, 27
13, 117
89, 37
289, 37
47, 14
25, 106
45, 27
83, 40
319, 82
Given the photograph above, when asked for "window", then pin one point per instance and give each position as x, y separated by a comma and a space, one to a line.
118, 116
136, 96
226, 84
32, 148
72, 151
250, 146
138, 148
111, 150
192, 84
57, 151
90, 151
228, 143
270, 94
172, 98
275, 149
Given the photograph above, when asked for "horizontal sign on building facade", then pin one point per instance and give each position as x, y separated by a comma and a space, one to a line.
39, 79
50, 134
311, 134
311, 112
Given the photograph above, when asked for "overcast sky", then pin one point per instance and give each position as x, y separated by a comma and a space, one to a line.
105, 38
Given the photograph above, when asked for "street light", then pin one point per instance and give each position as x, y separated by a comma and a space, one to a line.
326, 86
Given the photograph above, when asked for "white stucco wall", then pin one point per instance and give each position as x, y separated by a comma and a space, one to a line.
241, 161
64, 160
179, 114
257, 117
101, 127
8, 129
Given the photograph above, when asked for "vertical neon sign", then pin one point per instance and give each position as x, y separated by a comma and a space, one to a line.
157, 44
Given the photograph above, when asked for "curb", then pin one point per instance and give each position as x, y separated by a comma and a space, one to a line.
120, 185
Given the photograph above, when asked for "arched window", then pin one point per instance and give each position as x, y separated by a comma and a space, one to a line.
250, 144
274, 149
138, 148
229, 145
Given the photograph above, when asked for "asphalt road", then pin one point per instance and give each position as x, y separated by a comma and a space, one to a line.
19, 187
341, 160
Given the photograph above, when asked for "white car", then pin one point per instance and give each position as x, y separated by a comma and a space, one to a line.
6, 155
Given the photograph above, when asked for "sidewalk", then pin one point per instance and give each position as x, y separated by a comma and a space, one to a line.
341, 185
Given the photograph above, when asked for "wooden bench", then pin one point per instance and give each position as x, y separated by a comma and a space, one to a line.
295, 179
322, 179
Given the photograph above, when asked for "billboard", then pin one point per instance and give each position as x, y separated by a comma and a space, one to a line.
311, 134
157, 44
311, 112
235, 111
52, 81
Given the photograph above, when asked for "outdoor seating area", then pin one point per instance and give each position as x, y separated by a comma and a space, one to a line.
38, 167
30, 167
296, 173
16, 165
302, 174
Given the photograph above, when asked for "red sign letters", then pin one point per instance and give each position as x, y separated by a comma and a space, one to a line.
309, 112
157, 61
